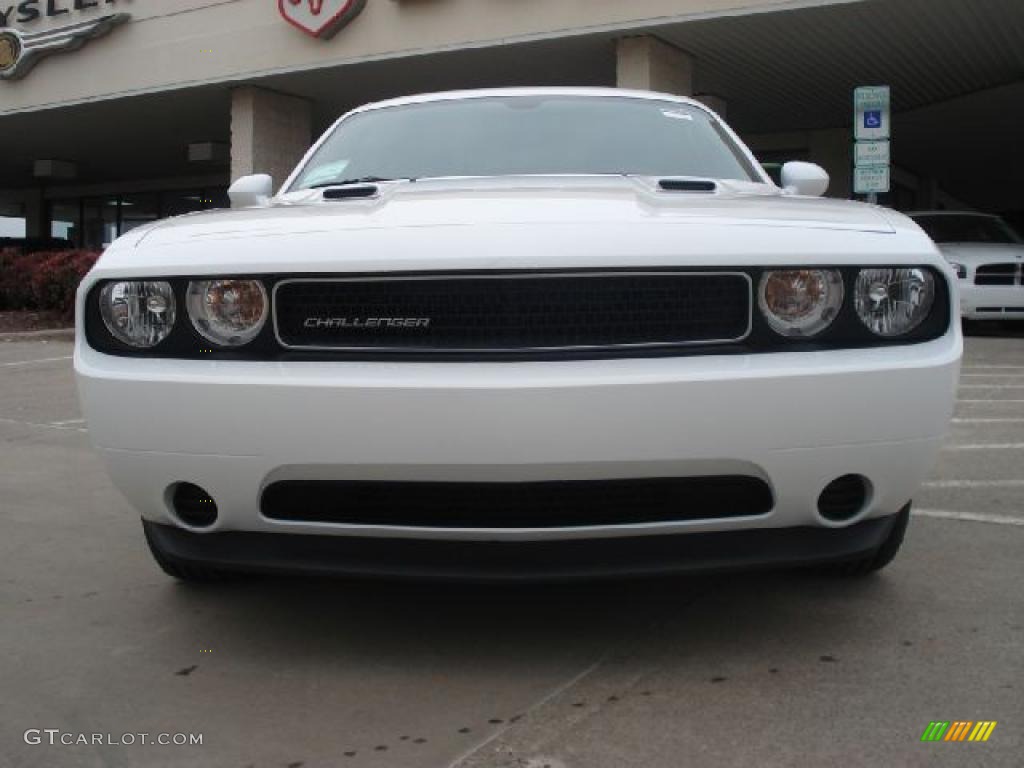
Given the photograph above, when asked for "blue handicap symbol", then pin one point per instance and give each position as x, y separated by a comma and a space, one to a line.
873, 118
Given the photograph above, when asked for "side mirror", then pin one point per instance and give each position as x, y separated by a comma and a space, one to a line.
251, 191
804, 179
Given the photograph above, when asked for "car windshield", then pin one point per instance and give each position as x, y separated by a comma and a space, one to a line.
527, 135
950, 228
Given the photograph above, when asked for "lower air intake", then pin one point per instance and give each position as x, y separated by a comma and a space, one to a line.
843, 499
517, 505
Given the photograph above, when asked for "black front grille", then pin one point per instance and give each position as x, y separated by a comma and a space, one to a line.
562, 504
479, 314
1000, 274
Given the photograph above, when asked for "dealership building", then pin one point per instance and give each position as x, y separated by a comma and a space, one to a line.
117, 112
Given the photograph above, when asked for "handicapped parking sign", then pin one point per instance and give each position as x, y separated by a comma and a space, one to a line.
872, 111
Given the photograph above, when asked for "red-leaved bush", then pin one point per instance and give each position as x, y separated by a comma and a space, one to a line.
43, 281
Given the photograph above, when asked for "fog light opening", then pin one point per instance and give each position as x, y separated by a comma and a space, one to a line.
193, 506
844, 499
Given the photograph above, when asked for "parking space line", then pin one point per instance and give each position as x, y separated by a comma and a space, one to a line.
992, 375
980, 367
544, 700
988, 421
985, 447
948, 484
988, 401
38, 425
992, 386
36, 362
969, 517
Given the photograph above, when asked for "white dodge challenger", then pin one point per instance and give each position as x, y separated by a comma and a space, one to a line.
531, 333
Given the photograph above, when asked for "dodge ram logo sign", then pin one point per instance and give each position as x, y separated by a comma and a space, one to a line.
320, 18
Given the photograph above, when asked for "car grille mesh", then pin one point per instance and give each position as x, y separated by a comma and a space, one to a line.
1000, 274
512, 313
557, 504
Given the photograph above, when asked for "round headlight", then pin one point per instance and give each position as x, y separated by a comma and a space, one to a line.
139, 314
229, 313
893, 302
801, 302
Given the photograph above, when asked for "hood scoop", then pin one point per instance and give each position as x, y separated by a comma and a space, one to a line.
360, 192
687, 185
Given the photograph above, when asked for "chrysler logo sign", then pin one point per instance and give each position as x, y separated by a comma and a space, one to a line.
320, 18
19, 51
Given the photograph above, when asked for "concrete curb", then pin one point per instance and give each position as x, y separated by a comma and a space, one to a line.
53, 334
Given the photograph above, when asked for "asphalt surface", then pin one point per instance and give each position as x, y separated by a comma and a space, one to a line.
760, 670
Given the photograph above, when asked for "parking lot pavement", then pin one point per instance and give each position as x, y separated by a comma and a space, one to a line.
766, 670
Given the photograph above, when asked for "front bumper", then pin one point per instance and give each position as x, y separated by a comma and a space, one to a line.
991, 302
797, 420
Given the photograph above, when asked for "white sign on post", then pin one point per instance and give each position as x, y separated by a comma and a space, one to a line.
872, 113
872, 129
868, 154
872, 180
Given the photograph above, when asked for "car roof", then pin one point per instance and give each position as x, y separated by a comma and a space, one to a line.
482, 93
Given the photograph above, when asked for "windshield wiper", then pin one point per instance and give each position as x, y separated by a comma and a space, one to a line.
350, 182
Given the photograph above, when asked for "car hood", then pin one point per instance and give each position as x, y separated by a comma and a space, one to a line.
527, 223
979, 254
450, 203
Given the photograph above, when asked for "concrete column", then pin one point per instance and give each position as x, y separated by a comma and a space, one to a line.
650, 64
270, 132
36, 224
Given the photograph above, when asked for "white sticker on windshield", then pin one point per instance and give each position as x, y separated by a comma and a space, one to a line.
328, 172
677, 114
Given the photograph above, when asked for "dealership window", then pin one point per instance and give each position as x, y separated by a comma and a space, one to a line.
12, 221
65, 220
139, 209
190, 201
99, 220
95, 222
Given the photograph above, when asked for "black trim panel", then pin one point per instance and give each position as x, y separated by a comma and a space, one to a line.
846, 332
520, 561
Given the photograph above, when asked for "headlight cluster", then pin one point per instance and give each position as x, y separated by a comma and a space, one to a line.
229, 313
139, 314
893, 302
793, 308
801, 302
889, 302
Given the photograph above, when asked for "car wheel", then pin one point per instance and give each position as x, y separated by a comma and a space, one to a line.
878, 559
190, 572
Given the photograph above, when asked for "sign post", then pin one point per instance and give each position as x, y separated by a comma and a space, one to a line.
872, 130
